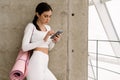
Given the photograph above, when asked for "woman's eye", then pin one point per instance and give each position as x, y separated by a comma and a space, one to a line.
46, 16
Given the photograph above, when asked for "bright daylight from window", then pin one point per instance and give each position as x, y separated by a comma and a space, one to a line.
104, 40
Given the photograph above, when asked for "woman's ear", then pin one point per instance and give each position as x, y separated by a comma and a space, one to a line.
37, 14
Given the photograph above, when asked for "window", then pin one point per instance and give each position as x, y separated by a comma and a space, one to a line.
103, 62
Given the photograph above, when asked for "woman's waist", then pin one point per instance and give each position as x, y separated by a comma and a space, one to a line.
44, 50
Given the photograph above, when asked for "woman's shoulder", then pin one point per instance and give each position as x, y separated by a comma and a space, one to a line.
29, 26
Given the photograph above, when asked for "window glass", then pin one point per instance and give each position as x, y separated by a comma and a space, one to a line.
95, 30
114, 10
108, 63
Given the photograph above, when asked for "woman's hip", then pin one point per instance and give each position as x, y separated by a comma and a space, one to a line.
39, 58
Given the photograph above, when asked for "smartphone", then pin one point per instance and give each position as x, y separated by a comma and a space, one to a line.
57, 33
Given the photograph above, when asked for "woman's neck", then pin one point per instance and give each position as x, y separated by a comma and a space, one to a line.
41, 26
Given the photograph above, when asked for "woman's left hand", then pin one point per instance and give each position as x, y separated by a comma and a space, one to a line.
56, 38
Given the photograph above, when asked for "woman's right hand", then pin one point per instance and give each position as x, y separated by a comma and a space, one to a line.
49, 33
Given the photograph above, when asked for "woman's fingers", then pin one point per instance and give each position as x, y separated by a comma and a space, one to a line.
56, 38
51, 32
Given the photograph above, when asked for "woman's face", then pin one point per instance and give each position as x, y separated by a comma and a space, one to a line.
44, 18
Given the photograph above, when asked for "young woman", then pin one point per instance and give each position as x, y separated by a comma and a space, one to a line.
37, 38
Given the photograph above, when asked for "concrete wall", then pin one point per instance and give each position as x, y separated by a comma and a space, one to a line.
68, 60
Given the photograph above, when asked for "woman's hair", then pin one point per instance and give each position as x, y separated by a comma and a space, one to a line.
41, 7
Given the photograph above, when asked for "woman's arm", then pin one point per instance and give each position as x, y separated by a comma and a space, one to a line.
54, 41
51, 45
26, 42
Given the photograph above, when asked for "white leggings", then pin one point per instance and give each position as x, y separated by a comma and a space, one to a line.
38, 67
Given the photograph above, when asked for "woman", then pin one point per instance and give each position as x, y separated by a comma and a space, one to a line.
37, 38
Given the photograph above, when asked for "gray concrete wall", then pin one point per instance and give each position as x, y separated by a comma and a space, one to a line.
68, 60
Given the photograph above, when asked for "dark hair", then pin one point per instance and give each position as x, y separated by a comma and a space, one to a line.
41, 7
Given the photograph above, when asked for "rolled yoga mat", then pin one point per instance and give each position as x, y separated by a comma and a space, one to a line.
19, 69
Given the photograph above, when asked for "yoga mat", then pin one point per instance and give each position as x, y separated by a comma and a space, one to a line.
19, 69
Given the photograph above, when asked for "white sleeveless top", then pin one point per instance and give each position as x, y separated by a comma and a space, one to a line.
34, 38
